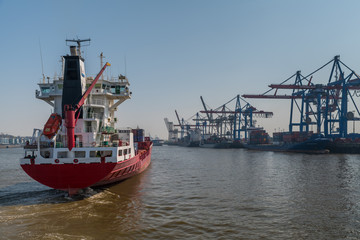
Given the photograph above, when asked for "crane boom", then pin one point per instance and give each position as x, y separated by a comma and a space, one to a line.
72, 109
177, 116
87, 92
207, 113
271, 96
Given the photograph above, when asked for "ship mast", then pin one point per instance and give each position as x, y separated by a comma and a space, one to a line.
79, 41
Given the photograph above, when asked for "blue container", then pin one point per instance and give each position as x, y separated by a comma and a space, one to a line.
140, 132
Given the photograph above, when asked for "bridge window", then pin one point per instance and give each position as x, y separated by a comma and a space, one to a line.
45, 90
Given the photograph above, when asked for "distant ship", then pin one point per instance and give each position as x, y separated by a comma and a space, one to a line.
217, 142
299, 142
79, 146
157, 142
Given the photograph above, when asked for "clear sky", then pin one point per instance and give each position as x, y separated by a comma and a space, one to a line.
175, 51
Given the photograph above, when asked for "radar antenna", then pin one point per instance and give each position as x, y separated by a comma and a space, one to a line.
78, 41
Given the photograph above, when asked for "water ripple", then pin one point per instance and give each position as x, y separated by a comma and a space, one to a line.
192, 193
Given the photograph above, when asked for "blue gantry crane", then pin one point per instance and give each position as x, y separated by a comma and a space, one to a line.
231, 121
330, 106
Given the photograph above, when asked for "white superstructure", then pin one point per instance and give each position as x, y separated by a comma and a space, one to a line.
98, 110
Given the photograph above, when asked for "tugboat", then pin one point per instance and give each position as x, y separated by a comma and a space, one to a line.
79, 146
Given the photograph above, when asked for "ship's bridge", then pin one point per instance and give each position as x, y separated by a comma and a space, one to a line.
113, 88
50, 90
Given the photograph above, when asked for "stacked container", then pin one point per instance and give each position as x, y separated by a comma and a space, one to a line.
277, 136
138, 135
296, 136
259, 137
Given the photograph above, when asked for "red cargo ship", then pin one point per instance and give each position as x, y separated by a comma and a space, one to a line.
79, 146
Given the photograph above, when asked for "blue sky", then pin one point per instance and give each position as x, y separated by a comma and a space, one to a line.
175, 51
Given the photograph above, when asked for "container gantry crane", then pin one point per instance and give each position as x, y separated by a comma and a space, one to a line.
332, 105
231, 123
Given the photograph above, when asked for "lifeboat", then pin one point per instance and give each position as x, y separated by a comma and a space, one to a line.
52, 125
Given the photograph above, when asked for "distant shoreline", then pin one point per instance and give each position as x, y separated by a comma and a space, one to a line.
10, 146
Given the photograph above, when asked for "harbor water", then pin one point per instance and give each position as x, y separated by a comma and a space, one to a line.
193, 193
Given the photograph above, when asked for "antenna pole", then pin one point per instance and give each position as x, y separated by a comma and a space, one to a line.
42, 64
125, 64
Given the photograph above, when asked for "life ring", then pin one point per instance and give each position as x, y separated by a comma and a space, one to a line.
93, 144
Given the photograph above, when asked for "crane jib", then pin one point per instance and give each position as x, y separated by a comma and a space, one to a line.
71, 110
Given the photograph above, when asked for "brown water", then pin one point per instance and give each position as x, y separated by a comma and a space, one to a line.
193, 193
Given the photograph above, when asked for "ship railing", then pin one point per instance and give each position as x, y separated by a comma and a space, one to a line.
49, 80
93, 115
90, 129
119, 93
119, 79
122, 91
80, 145
64, 145
76, 130
96, 102
113, 144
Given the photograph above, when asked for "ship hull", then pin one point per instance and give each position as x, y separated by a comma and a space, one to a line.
309, 146
222, 145
73, 177
190, 144
127, 169
344, 147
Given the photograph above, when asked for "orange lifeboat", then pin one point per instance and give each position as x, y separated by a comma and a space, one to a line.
52, 125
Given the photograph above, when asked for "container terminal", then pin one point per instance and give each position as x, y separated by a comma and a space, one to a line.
228, 126
322, 118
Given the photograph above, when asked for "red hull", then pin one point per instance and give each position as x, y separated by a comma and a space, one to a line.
73, 177
127, 168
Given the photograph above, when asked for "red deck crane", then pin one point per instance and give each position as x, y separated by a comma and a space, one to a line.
73, 109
